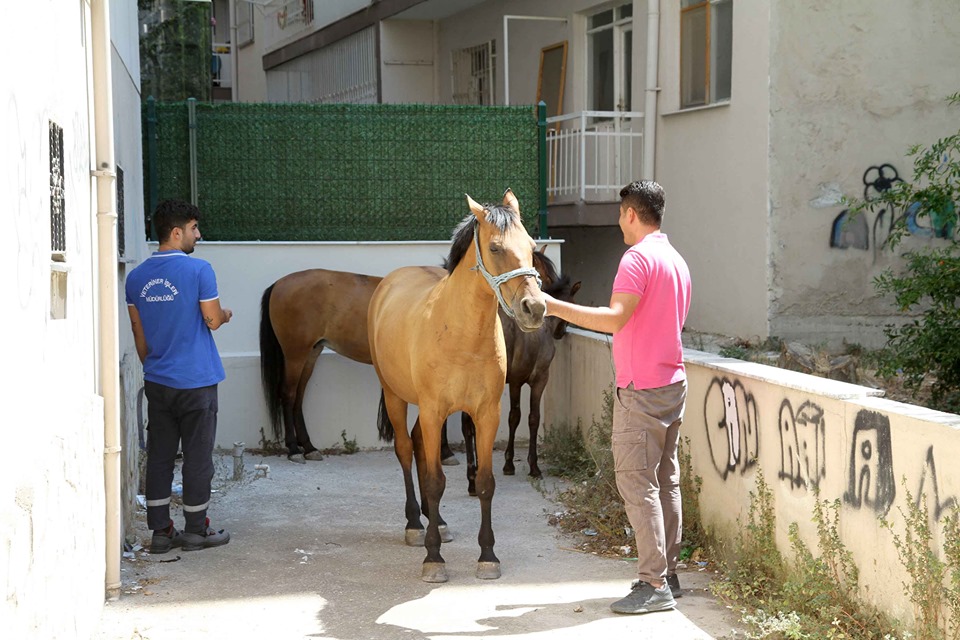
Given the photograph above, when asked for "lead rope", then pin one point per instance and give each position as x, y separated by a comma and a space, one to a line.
496, 281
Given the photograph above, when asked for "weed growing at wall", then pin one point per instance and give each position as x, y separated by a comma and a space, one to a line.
934, 583
592, 502
813, 595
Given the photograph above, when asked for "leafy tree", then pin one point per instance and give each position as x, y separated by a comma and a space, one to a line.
175, 49
927, 289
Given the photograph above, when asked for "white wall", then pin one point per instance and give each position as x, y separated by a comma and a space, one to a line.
342, 394
852, 85
52, 509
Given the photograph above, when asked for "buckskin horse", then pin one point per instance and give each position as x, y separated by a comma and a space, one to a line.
436, 341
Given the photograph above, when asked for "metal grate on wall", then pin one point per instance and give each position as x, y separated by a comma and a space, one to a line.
342, 72
473, 71
121, 216
58, 223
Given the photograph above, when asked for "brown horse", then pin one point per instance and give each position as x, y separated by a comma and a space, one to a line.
300, 314
436, 341
529, 355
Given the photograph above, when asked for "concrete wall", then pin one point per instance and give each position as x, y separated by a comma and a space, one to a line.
713, 164
251, 78
852, 85
342, 394
801, 432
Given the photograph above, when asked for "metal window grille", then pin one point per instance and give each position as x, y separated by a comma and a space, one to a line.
342, 72
58, 226
474, 74
121, 232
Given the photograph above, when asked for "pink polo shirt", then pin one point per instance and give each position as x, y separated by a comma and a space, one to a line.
647, 351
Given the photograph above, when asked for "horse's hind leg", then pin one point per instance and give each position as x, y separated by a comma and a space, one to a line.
426, 440
514, 421
292, 370
469, 441
447, 458
536, 392
403, 448
445, 534
310, 452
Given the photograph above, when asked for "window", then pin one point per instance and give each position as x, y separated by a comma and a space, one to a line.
706, 47
610, 55
58, 227
244, 23
474, 74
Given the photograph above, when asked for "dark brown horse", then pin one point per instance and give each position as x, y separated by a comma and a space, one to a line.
529, 355
436, 341
300, 314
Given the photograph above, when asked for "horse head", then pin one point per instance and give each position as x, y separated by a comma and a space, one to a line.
504, 253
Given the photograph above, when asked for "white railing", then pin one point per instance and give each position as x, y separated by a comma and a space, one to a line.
592, 154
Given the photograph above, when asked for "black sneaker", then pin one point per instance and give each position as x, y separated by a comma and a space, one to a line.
645, 598
165, 539
209, 538
674, 583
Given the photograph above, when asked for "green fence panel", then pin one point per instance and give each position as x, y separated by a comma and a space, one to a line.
344, 172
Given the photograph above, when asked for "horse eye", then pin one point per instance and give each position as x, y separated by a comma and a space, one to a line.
494, 248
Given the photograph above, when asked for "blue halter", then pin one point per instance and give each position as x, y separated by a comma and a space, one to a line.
496, 281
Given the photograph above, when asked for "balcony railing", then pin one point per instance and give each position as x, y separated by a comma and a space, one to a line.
592, 154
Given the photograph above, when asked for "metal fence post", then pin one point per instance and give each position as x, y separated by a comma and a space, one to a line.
192, 123
542, 161
152, 168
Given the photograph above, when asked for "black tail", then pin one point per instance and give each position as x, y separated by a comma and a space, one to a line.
384, 426
271, 364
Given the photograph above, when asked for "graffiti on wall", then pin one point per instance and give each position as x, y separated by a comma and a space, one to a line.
871, 481
802, 444
851, 231
730, 414
930, 469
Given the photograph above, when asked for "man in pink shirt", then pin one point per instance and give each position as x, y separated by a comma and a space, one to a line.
648, 306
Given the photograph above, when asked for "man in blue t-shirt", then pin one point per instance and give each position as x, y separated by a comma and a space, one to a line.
174, 306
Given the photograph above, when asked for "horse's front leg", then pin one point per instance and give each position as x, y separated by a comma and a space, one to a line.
513, 422
426, 447
537, 387
487, 422
469, 441
445, 534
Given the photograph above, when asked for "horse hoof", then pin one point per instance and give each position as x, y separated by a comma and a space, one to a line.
445, 535
434, 572
488, 570
298, 458
414, 537
450, 462
509, 471
314, 455
472, 491
535, 473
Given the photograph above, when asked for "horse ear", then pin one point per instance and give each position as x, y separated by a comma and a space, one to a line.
476, 208
542, 249
575, 288
510, 200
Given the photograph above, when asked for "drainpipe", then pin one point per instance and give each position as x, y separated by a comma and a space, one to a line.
105, 174
650, 97
235, 54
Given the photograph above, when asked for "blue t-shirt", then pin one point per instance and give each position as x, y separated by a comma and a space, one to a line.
167, 290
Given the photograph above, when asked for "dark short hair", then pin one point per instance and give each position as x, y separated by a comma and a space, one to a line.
171, 214
646, 197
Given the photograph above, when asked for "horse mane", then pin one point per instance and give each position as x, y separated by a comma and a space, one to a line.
499, 215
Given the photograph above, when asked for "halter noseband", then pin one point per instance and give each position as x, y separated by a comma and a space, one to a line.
496, 281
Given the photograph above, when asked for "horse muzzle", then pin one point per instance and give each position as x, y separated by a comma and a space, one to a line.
530, 313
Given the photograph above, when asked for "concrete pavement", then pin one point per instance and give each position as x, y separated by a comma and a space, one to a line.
317, 551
